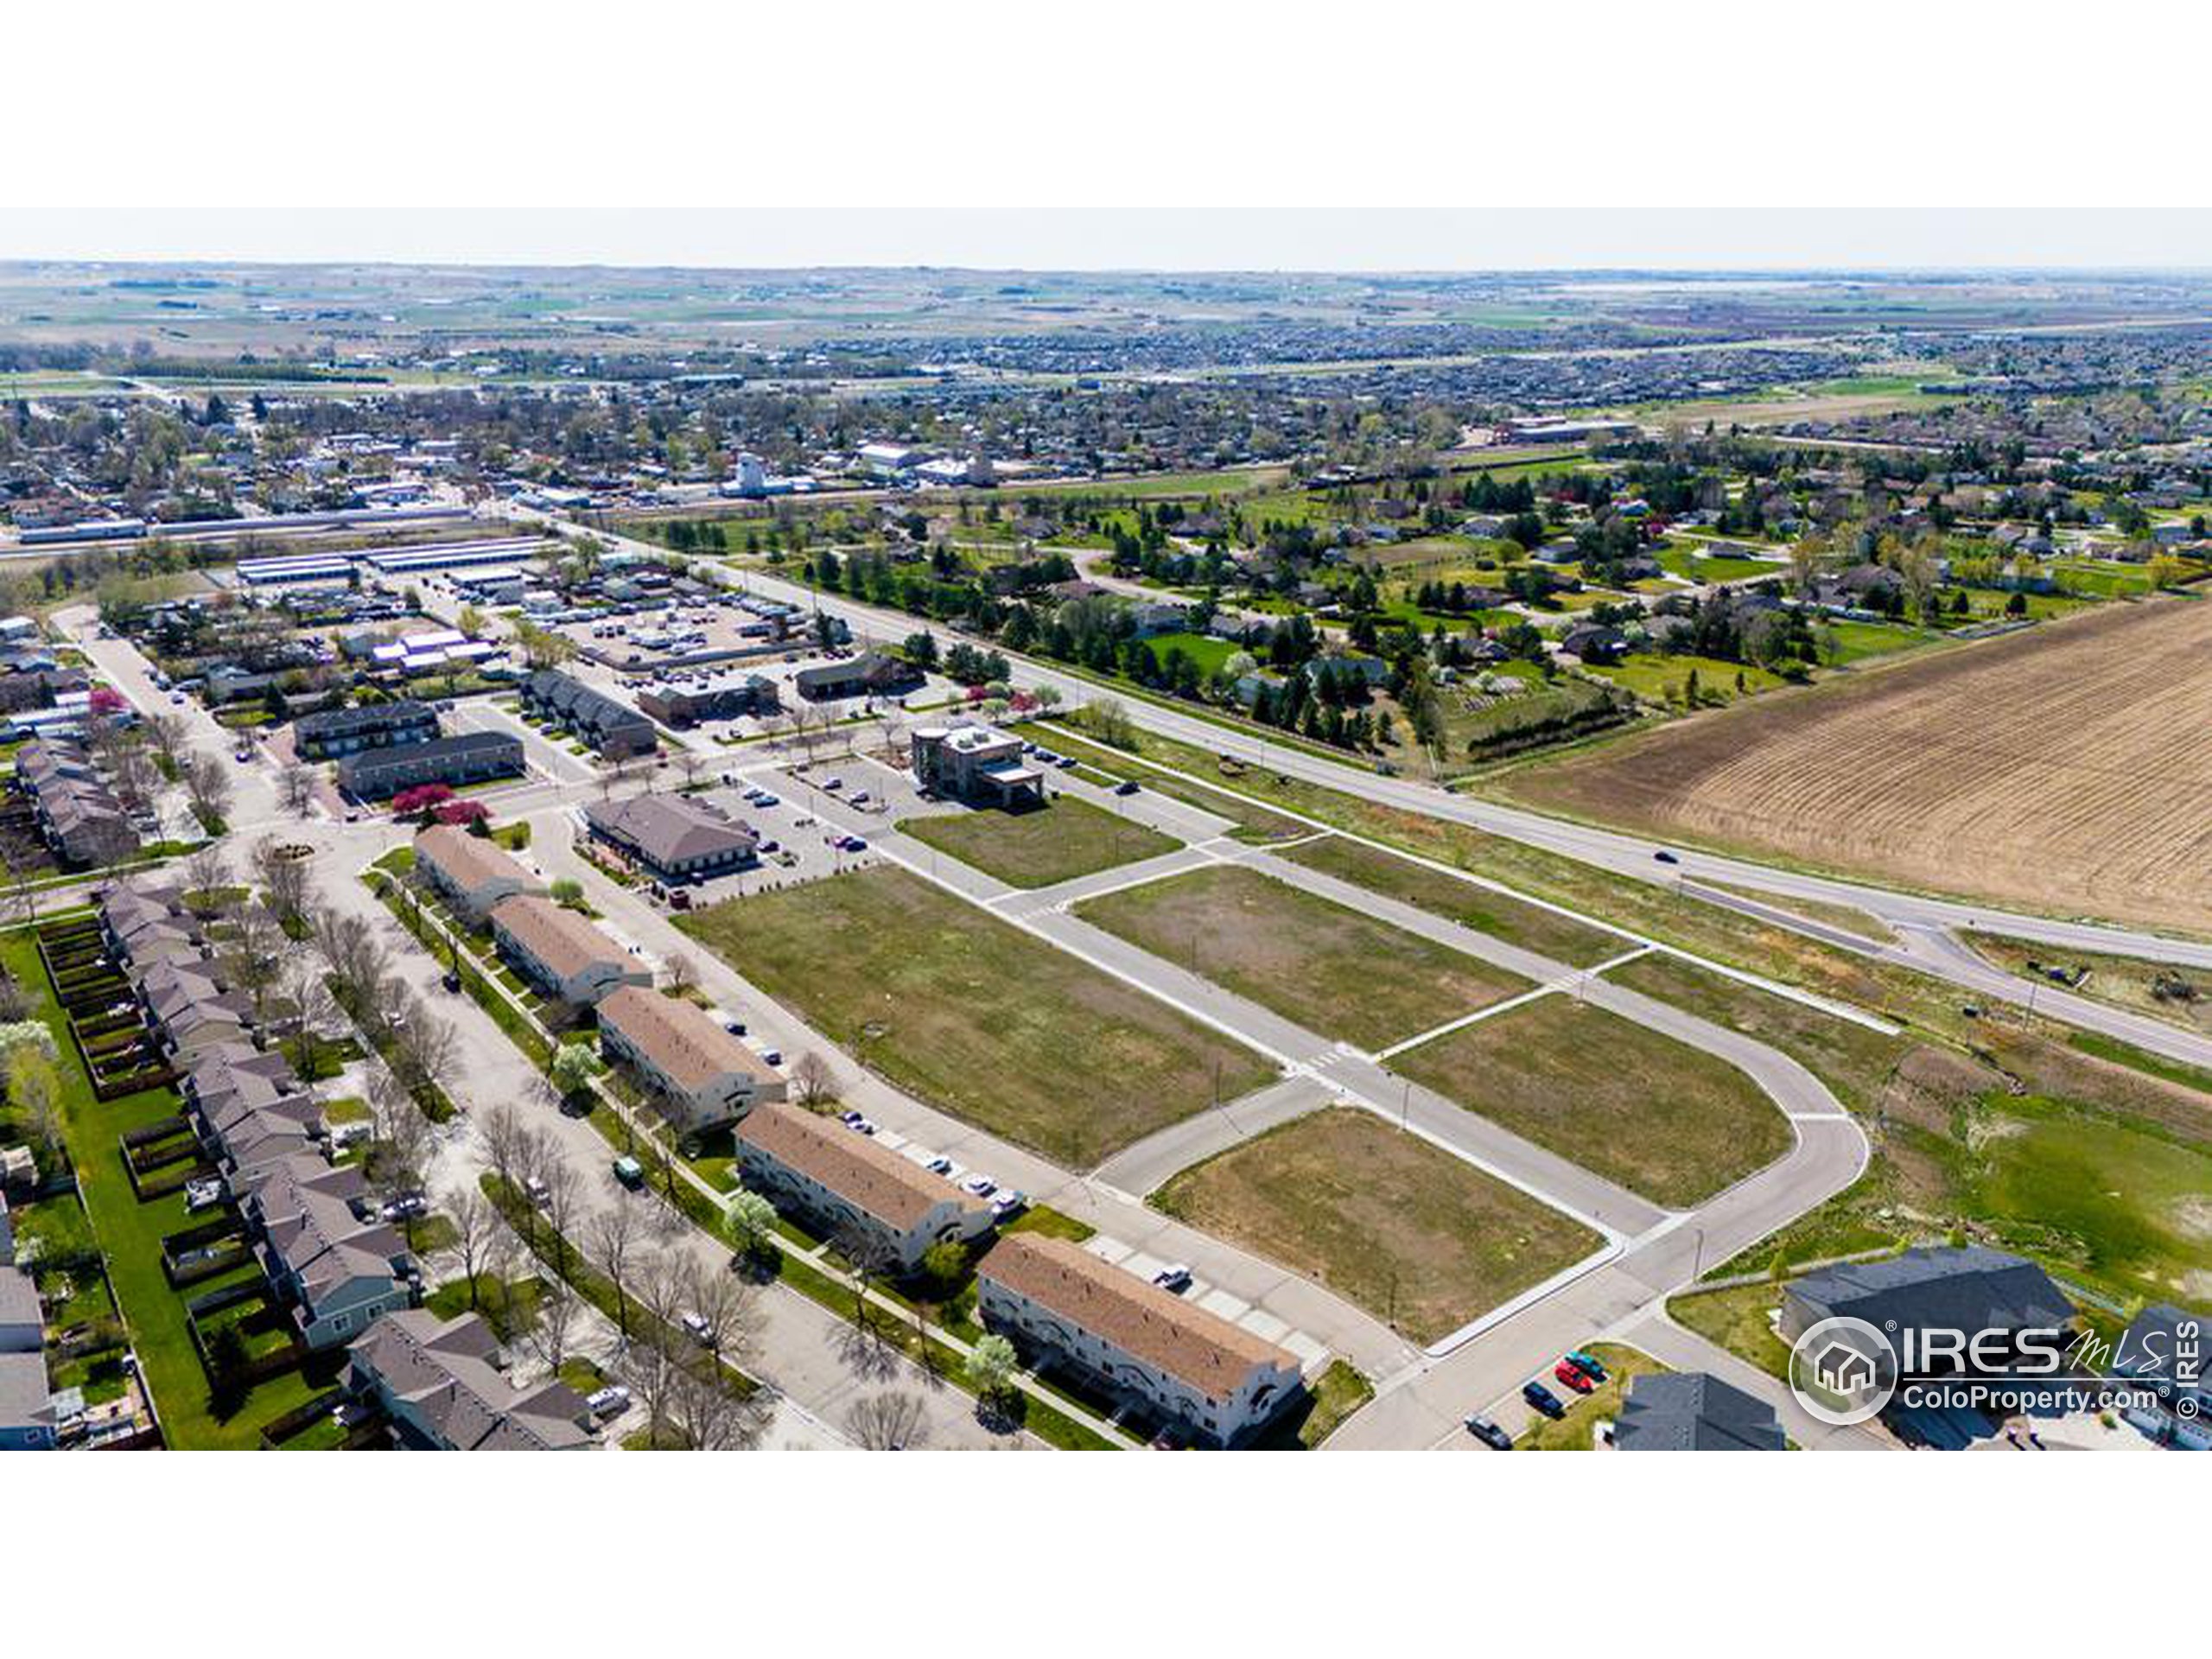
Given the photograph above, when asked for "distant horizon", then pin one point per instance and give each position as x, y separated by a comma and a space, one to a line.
1584, 242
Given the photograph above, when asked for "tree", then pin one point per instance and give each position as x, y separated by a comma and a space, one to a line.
207, 786
991, 1365
207, 873
229, 1371
613, 1239
813, 1081
282, 880
750, 1223
868, 1258
943, 1263
679, 971
556, 1318
572, 1069
567, 890
295, 788
888, 1423
476, 1223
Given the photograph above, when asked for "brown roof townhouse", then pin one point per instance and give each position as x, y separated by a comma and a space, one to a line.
704, 1077
439, 1382
839, 1178
1220, 1383
471, 873
563, 954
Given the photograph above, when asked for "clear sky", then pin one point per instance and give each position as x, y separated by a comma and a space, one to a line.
1394, 134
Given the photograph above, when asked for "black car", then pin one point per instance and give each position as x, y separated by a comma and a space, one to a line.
1488, 1433
1544, 1400
1665, 857
451, 981
1127, 786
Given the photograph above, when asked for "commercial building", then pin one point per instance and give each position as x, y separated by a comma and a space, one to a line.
337, 732
464, 758
1689, 1411
673, 838
871, 674
704, 1078
560, 952
440, 1383
838, 1178
1218, 1382
609, 728
974, 763
726, 696
469, 872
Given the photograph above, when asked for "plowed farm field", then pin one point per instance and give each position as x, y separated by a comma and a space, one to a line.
2066, 768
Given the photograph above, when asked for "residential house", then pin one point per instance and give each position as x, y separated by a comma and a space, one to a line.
704, 1077
2164, 1354
1218, 1382
674, 838
337, 1267
28, 1419
560, 952
465, 758
440, 1384
470, 872
1592, 644
1689, 1411
841, 1179
612, 729
22, 1319
78, 816
1971, 1289
336, 733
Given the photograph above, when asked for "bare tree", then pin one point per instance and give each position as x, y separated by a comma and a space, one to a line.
869, 1259
559, 1311
424, 1048
813, 1082
252, 957
680, 972
206, 872
403, 1156
207, 786
562, 1193
284, 880
705, 1408
613, 1240
166, 734
888, 1423
475, 1224
509, 1144
650, 1370
295, 789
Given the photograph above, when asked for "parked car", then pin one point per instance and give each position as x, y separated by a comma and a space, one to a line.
608, 1401
833, 783
450, 979
768, 800
700, 1330
538, 1192
1488, 1433
1590, 1365
1007, 1205
407, 1207
981, 1185
679, 899
736, 1028
939, 1164
1573, 1375
861, 1125
1544, 1400
1176, 1278
629, 1171
862, 798
176, 697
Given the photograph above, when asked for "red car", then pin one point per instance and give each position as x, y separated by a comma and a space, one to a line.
1573, 1375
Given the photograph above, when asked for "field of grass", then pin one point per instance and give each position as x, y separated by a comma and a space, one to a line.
1684, 560
1420, 1238
1844, 643
1657, 676
1043, 845
1502, 916
976, 1016
1654, 1115
1203, 649
1852, 1059
1254, 823
1739, 1320
1332, 969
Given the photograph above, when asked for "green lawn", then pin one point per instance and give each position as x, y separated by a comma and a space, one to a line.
1847, 642
1043, 845
1207, 652
1421, 1239
976, 1016
1657, 1116
130, 1233
1683, 560
1574, 1432
1487, 910
1659, 677
1739, 1320
1254, 823
1332, 969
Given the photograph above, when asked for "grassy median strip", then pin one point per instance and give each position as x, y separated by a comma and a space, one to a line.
1422, 1240
976, 1017
1042, 846
1332, 969
1483, 909
1656, 1116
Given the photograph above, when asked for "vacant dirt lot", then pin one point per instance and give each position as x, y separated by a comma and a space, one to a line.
1402, 1228
2067, 768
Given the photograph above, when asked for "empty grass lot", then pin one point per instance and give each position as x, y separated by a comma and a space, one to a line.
1514, 920
1042, 846
1332, 969
1657, 1116
976, 1016
1386, 1219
